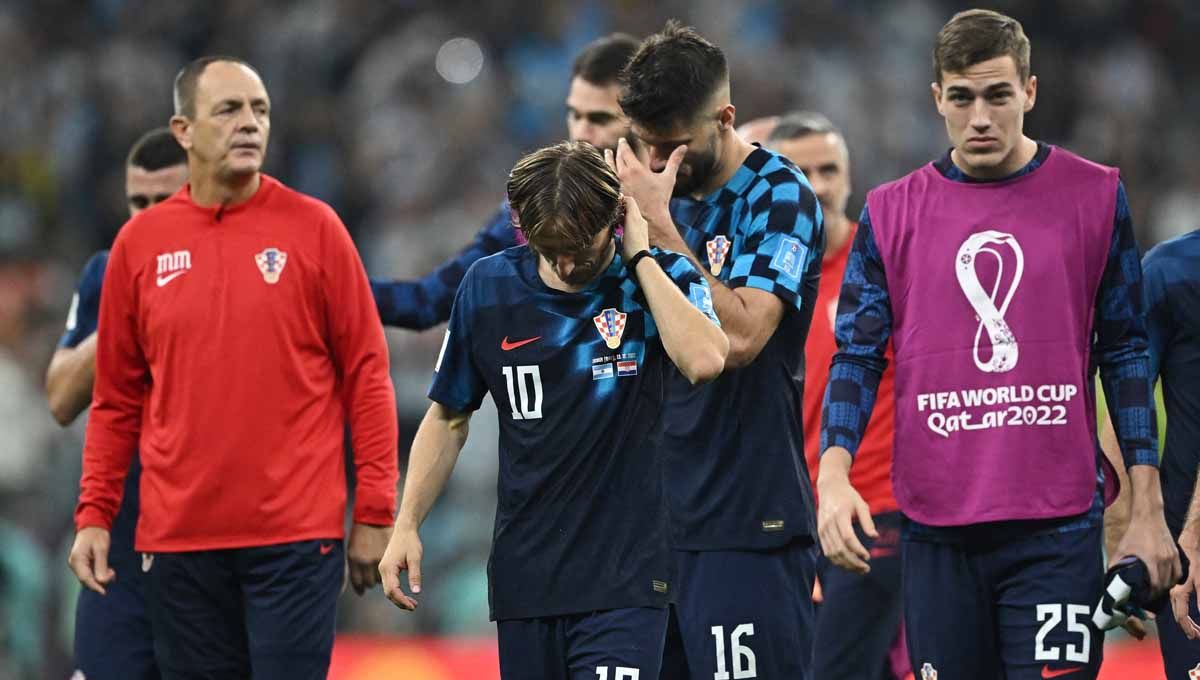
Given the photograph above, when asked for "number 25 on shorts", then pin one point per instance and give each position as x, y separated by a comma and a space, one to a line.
742, 657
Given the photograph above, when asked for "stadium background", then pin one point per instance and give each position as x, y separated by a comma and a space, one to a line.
406, 117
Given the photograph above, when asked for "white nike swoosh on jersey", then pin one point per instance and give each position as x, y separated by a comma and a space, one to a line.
164, 280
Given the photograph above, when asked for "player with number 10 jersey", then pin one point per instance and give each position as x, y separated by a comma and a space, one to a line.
575, 341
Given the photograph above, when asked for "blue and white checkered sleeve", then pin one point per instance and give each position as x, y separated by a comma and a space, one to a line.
426, 302
690, 281
783, 239
1122, 342
862, 329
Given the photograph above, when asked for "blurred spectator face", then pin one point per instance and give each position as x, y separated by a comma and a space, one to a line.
144, 188
984, 107
593, 115
825, 162
703, 140
758, 130
232, 123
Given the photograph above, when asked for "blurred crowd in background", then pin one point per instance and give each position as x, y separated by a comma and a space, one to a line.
406, 117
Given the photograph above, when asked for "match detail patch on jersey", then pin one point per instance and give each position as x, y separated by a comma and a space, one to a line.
271, 263
626, 368
611, 325
789, 257
718, 250
602, 371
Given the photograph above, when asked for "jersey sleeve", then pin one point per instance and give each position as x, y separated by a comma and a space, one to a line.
1158, 313
689, 280
1120, 345
782, 237
360, 354
426, 302
458, 384
862, 329
85, 303
122, 379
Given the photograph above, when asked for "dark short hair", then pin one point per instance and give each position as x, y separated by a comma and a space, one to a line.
978, 35
155, 150
800, 124
189, 75
671, 77
601, 61
565, 192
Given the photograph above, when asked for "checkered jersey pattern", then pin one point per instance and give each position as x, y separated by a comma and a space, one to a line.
1121, 345
426, 302
772, 218
864, 324
1171, 281
862, 328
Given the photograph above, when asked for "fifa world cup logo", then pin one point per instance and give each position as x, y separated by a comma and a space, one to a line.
991, 316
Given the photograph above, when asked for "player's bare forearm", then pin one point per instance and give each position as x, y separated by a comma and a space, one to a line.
1147, 536
748, 316
835, 464
1191, 526
695, 344
1145, 492
69, 380
435, 450
1116, 516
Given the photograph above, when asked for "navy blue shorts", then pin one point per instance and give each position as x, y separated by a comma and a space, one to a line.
1004, 604
859, 618
615, 644
217, 613
1180, 655
112, 631
743, 614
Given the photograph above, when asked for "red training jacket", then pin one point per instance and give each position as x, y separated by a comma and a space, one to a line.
871, 474
234, 345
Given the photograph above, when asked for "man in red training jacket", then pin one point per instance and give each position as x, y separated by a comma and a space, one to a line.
237, 339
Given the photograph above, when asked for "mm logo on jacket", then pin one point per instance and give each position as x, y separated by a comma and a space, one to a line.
172, 266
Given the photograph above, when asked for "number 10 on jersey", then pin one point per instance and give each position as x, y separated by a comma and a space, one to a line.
527, 381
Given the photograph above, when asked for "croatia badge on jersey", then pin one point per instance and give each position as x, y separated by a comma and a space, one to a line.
718, 250
271, 262
928, 672
1194, 674
611, 325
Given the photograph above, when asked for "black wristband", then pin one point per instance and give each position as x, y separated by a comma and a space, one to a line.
631, 265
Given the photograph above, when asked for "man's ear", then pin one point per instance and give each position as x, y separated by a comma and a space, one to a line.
727, 116
181, 128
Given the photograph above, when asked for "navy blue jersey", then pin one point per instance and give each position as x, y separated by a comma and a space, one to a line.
735, 471
85, 304
81, 322
578, 380
1172, 285
426, 302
